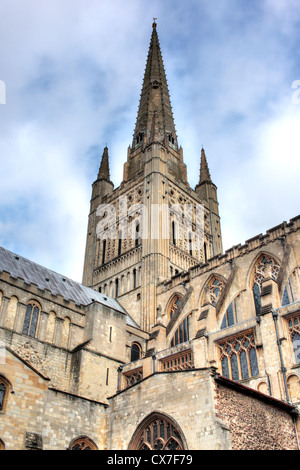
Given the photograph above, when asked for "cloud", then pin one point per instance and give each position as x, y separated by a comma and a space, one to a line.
73, 72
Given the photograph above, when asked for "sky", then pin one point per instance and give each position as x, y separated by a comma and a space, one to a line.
71, 73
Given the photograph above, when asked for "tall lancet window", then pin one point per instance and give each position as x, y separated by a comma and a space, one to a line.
31, 320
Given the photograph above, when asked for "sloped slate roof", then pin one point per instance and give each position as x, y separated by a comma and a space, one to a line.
57, 284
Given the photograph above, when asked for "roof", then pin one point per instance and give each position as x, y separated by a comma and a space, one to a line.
46, 279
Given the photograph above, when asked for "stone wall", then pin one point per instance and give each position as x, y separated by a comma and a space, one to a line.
187, 397
35, 416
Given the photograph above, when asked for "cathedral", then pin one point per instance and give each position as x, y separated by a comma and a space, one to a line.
168, 343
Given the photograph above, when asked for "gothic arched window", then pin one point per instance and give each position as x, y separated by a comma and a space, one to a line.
213, 290
265, 265
83, 443
31, 319
238, 357
157, 432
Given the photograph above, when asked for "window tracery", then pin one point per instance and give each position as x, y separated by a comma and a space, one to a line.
265, 264
214, 289
83, 443
238, 357
133, 377
157, 433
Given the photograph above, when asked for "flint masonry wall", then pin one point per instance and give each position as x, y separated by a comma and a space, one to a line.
254, 424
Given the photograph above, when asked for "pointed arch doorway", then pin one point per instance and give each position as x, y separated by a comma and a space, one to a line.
158, 432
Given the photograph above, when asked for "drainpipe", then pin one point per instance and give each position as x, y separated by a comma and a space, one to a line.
283, 369
269, 383
119, 374
153, 362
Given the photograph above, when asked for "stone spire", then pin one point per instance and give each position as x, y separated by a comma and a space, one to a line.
104, 167
204, 171
155, 121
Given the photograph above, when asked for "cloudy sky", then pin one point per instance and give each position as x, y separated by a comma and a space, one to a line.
73, 72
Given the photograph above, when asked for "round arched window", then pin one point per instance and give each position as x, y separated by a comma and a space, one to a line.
136, 352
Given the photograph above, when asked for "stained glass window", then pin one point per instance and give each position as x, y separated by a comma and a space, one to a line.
238, 357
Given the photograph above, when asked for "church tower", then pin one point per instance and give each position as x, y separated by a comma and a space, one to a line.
154, 225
